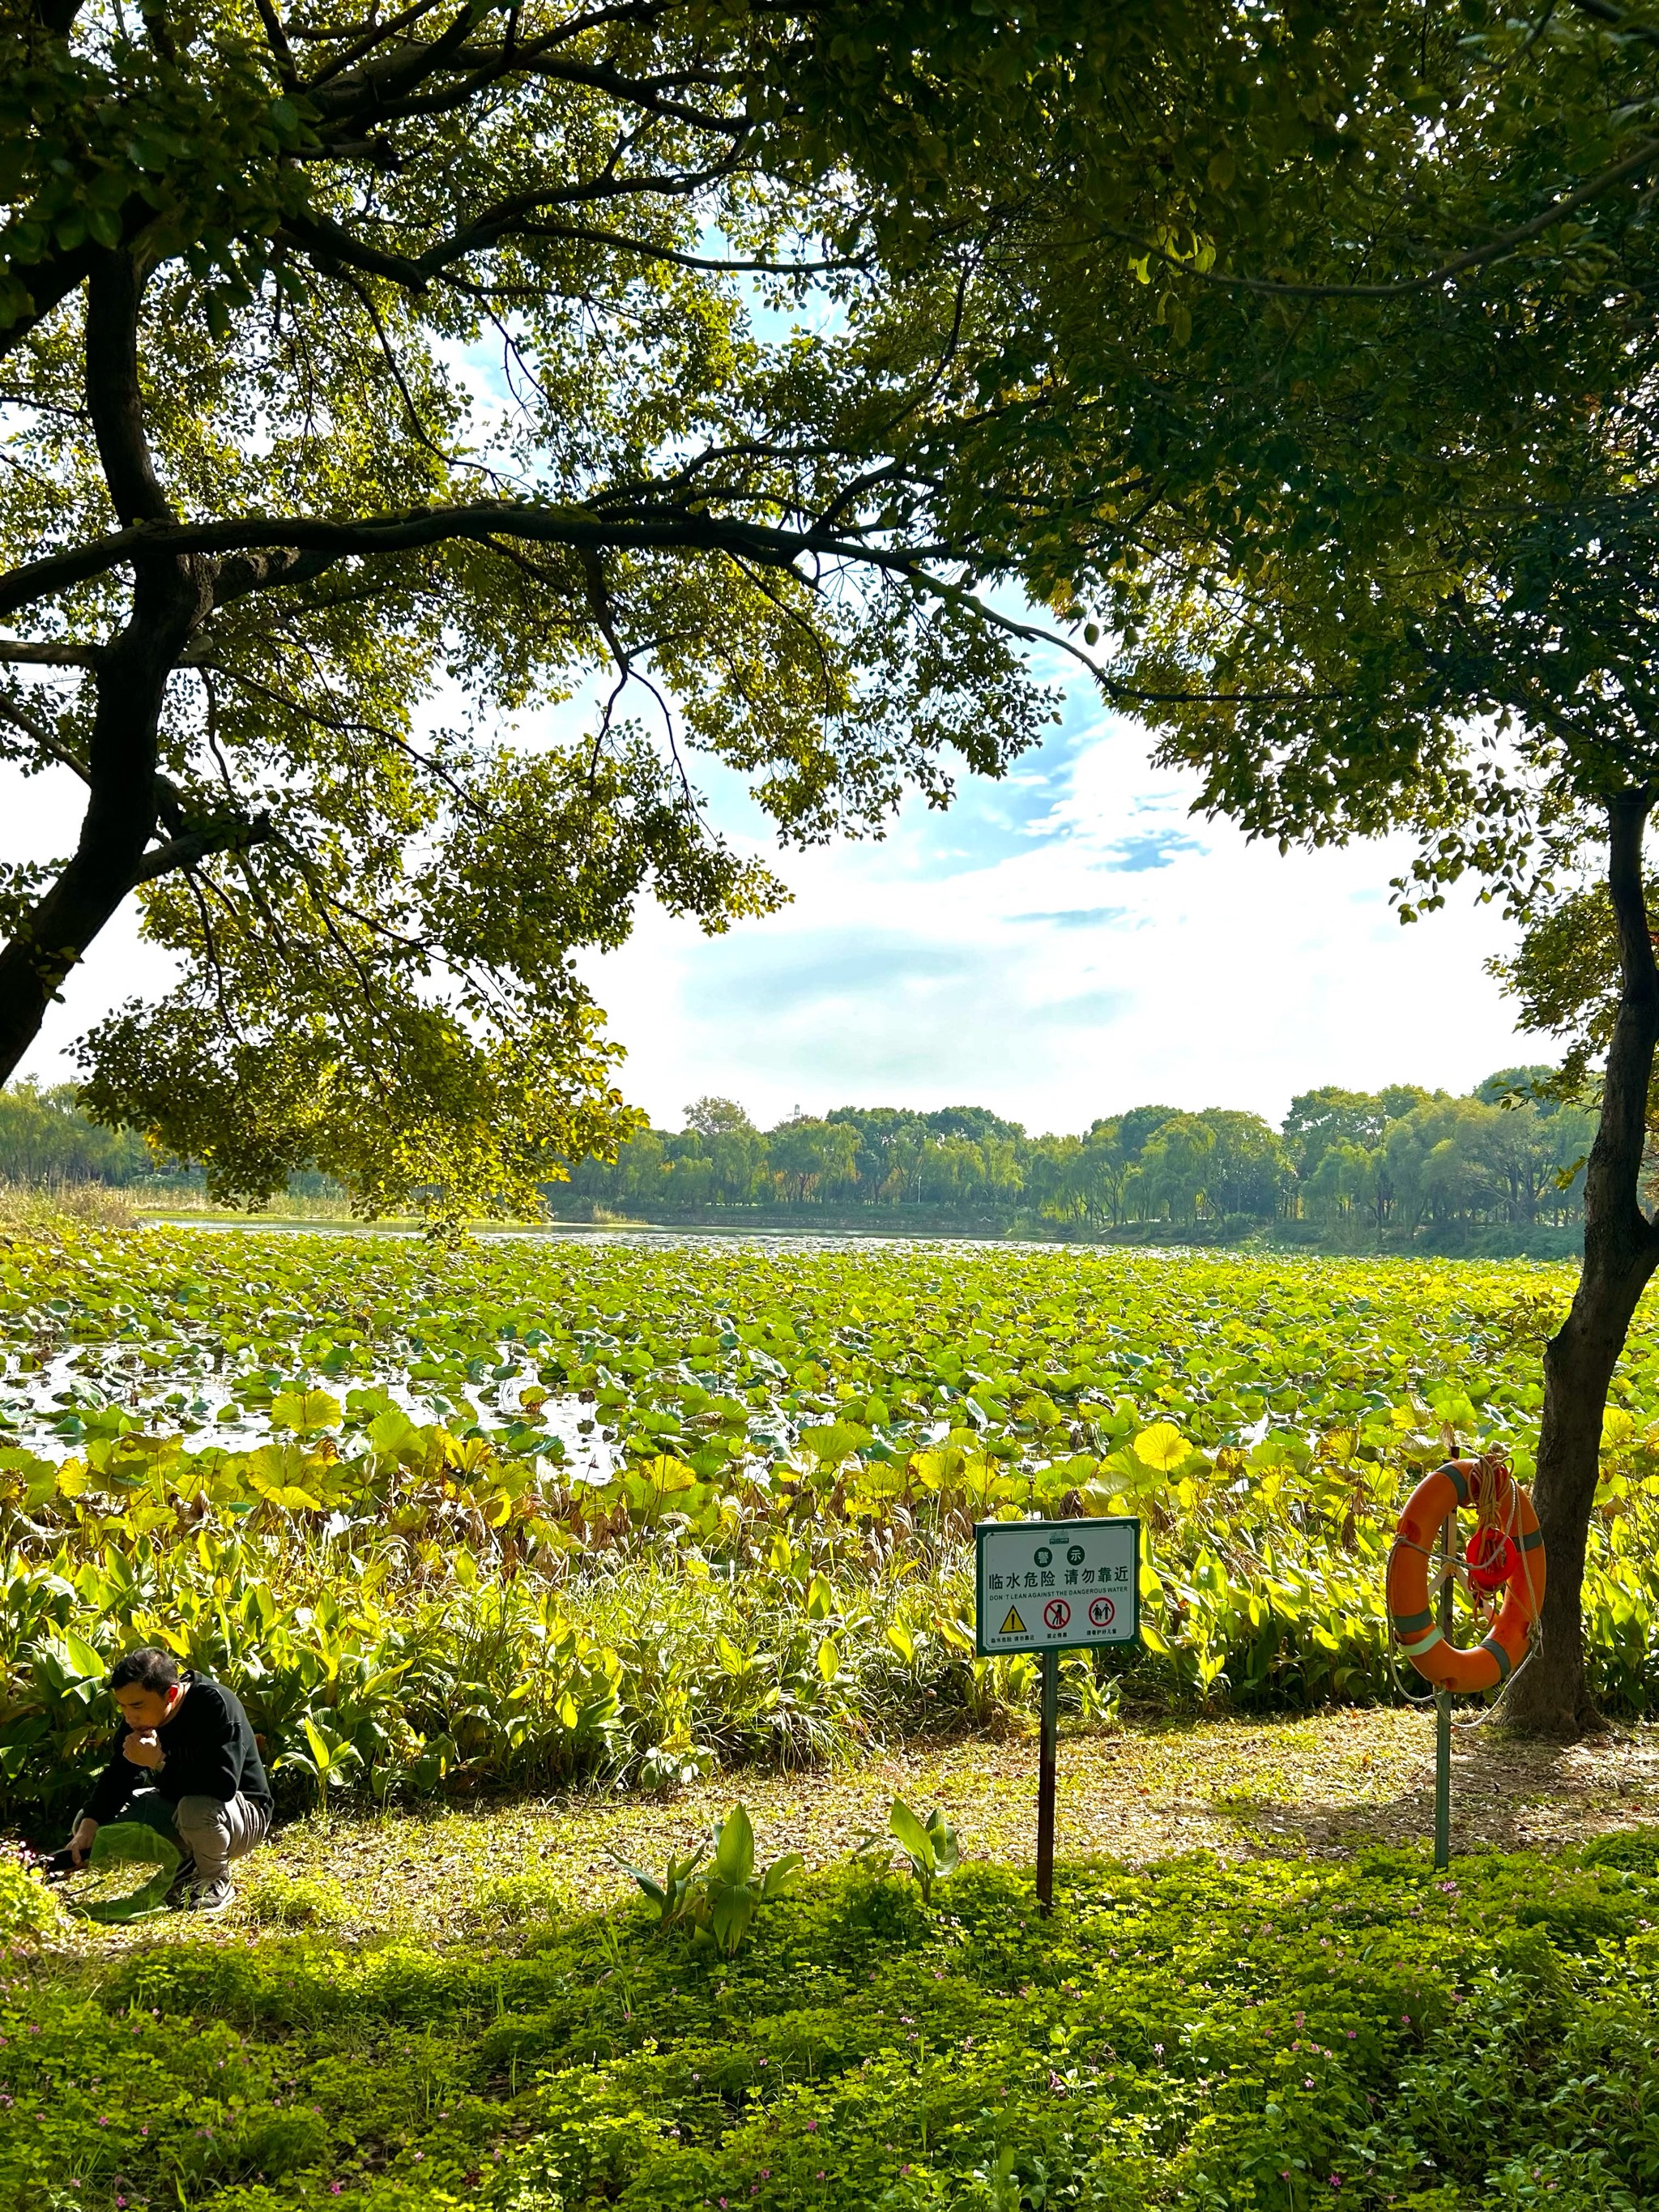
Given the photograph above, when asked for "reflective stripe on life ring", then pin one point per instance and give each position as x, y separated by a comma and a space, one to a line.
1412, 1615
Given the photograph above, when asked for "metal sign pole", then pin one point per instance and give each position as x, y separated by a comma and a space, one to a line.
1046, 1587
1443, 1712
1045, 1765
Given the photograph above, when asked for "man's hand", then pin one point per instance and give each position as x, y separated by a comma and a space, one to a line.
144, 1748
80, 1842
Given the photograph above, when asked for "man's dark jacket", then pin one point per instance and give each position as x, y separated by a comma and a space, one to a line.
209, 1752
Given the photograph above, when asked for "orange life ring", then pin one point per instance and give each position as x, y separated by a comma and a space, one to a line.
1503, 1503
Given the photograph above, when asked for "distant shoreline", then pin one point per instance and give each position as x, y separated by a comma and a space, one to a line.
1149, 1238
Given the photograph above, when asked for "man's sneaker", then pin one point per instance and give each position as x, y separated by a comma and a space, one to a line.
210, 1896
179, 1887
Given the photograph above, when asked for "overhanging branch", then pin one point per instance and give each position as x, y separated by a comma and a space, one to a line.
41, 653
576, 527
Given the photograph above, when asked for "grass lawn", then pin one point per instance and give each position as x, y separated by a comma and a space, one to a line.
1255, 1994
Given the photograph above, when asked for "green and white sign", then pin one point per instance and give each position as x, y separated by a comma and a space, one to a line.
1056, 1585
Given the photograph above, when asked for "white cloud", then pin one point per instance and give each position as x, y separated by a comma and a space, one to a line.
1065, 944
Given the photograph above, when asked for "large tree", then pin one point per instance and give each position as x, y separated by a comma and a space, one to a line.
376, 380
1424, 596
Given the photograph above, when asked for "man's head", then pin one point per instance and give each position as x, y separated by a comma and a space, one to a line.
146, 1686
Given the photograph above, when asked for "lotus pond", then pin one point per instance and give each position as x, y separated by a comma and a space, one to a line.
540, 1508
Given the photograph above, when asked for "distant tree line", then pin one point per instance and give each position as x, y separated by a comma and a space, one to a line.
45, 1139
1395, 1163
1398, 1161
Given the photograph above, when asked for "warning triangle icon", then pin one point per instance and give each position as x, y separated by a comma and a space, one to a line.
1013, 1626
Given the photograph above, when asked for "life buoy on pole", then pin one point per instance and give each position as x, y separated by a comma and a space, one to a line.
1508, 1554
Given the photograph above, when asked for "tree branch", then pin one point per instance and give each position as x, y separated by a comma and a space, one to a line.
40, 653
577, 527
234, 834
113, 397
37, 732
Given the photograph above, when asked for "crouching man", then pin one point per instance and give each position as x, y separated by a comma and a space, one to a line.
185, 1763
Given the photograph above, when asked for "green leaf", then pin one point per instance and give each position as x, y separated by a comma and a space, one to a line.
734, 1846
129, 1843
911, 1834
304, 1411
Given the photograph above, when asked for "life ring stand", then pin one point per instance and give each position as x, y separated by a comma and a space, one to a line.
1509, 1557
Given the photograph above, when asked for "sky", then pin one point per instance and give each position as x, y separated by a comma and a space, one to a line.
1062, 944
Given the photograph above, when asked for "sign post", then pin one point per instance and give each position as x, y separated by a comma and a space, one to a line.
1048, 1587
1442, 1710
1047, 1757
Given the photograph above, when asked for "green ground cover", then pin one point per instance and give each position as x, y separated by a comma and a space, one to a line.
540, 1508
1274, 2035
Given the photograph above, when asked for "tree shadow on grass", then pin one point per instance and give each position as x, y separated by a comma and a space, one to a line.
1506, 1795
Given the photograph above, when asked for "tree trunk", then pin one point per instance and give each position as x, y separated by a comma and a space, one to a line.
170, 596
1621, 1247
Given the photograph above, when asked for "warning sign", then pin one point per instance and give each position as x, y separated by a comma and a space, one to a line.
1056, 1585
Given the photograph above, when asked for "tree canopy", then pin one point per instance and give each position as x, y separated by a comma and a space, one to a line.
374, 383
376, 386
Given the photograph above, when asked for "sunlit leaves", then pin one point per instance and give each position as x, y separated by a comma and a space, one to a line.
304, 1410
1162, 1448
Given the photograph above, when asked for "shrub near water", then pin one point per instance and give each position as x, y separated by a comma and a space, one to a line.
1204, 2038
406, 1574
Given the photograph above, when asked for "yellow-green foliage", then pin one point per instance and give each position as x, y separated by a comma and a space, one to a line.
28, 1911
276, 1900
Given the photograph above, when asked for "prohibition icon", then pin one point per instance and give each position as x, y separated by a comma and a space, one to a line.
1056, 1612
1100, 1610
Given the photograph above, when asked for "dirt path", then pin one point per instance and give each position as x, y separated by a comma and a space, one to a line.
1319, 1786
